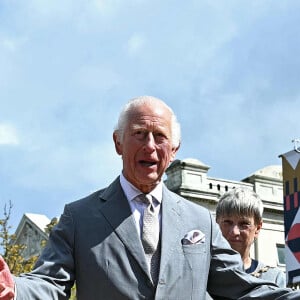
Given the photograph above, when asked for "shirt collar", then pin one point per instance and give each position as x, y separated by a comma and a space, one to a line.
131, 191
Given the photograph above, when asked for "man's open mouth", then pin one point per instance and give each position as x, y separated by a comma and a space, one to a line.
147, 163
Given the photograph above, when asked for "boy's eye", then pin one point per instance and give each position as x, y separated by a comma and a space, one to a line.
241, 225
244, 225
227, 223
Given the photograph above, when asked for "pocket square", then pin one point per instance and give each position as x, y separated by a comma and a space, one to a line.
193, 237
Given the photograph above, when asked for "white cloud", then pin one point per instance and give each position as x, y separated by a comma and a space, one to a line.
8, 135
50, 9
97, 77
106, 7
12, 44
136, 44
9, 44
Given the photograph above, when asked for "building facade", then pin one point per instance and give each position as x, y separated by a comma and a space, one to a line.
31, 232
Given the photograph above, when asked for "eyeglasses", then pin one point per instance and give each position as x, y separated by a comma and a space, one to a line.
242, 226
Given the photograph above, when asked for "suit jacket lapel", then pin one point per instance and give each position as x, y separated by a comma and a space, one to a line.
171, 224
117, 212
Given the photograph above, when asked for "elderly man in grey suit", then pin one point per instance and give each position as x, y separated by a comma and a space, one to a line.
136, 239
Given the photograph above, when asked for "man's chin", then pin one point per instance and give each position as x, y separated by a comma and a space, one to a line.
148, 182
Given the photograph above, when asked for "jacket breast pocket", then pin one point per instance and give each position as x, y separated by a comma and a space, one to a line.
195, 255
197, 259
194, 248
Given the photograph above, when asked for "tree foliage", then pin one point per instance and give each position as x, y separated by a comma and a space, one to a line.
12, 252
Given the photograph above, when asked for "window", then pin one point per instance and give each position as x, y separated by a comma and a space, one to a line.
281, 254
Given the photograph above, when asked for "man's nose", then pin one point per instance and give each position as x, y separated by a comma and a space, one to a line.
235, 229
150, 141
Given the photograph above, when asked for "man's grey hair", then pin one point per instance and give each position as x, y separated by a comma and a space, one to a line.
240, 202
142, 100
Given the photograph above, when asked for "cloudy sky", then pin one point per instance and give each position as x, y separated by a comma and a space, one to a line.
229, 69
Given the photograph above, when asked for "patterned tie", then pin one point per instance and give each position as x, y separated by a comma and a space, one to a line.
150, 236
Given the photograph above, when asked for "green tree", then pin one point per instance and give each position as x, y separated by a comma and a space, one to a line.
12, 252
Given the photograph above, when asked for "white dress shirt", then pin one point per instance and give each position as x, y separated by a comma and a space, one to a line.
137, 207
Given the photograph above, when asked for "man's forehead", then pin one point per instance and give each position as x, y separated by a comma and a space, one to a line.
148, 126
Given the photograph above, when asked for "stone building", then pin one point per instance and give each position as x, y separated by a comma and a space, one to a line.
189, 178
31, 232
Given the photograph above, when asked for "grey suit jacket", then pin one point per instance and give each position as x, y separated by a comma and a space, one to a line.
96, 244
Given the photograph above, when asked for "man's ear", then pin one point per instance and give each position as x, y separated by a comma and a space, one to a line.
174, 151
117, 142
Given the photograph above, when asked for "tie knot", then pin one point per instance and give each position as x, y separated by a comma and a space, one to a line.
145, 198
